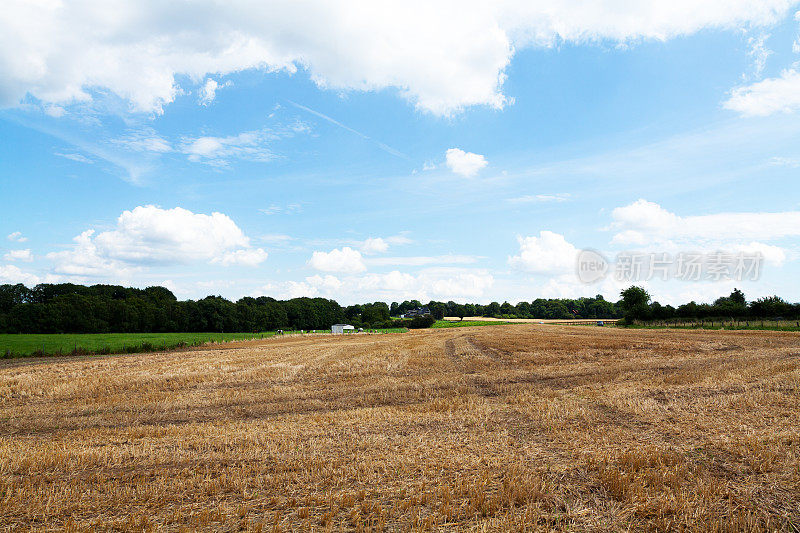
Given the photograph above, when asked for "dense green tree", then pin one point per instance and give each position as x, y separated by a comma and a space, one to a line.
437, 309
493, 309
635, 303
688, 310
374, 314
11, 295
770, 307
733, 305
507, 309
459, 310
737, 297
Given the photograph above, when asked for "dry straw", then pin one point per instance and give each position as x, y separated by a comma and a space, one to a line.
527, 427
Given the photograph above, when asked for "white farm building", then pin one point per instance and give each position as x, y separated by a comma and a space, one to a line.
338, 329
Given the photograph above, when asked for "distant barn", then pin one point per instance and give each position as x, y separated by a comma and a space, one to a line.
338, 329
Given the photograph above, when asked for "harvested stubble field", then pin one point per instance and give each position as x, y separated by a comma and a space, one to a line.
492, 428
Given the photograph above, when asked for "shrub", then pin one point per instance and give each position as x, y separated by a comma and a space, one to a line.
421, 322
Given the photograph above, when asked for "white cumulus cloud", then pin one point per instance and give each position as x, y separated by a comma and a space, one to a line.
16, 237
85, 259
421, 260
285, 290
374, 245
12, 274
445, 283
327, 283
464, 163
209, 90
149, 235
767, 97
313, 286
774, 255
244, 257
344, 260
549, 253
19, 255
379, 245
442, 56
644, 222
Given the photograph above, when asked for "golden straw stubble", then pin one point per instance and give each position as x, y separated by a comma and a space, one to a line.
522, 427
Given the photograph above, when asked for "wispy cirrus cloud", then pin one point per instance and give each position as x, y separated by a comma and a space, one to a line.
780, 161
541, 198
277, 209
382, 146
144, 139
72, 156
16, 236
253, 145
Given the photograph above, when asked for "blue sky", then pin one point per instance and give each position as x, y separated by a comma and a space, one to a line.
368, 152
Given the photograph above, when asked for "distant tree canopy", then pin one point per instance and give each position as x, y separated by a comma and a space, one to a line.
564, 308
69, 308
727, 307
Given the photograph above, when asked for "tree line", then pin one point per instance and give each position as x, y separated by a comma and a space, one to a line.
70, 308
637, 304
554, 308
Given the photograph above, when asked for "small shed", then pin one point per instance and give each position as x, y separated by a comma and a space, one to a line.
338, 329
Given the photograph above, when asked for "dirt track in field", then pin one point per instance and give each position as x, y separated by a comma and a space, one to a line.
523, 427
